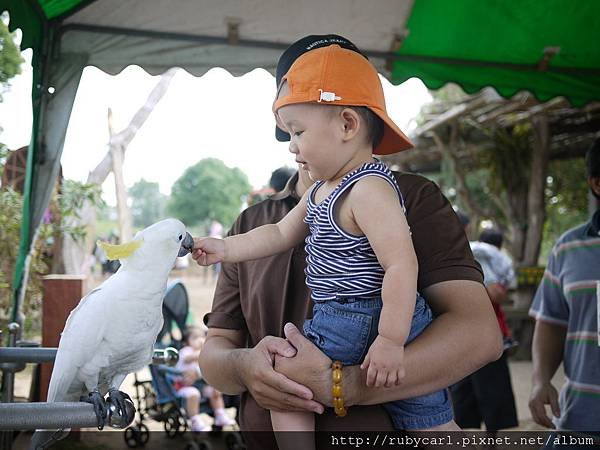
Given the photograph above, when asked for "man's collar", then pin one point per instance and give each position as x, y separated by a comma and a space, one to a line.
593, 228
289, 190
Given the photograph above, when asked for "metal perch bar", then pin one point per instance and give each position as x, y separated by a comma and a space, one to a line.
27, 355
167, 356
48, 416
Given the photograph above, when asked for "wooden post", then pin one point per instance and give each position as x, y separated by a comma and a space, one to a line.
61, 295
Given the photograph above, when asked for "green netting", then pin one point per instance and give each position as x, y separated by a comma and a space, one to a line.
511, 37
55, 8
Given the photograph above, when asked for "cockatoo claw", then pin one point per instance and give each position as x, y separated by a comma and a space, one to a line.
121, 410
96, 399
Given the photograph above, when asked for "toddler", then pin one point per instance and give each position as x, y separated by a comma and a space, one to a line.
361, 264
194, 337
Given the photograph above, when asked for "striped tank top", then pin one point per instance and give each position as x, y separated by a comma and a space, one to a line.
339, 264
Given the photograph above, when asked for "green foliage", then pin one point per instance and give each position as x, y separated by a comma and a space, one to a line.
208, 191
566, 200
3, 156
11, 204
148, 204
64, 211
507, 157
70, 201
10, 56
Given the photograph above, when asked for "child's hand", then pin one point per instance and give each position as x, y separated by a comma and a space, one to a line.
384, 363
208, 251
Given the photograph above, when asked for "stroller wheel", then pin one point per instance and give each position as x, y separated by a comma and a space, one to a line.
144, 435
171, 426
131, 436
234, 441
183, 425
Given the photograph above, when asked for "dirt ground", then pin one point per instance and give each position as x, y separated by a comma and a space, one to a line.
200, 284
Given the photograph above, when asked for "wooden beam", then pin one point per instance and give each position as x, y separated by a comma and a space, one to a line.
558, 102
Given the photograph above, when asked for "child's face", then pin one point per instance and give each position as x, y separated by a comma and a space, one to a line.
316, 138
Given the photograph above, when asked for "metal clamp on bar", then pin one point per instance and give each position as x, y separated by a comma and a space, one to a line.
168, 356
52, 416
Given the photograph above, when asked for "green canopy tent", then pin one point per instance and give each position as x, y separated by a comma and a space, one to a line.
549, 48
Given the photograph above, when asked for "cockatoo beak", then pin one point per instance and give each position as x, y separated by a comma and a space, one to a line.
186, 245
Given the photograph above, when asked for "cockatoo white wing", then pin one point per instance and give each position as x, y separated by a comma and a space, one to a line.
81, 336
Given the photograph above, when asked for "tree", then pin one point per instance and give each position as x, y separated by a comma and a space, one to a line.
208, 191
10, 56
147, 203
499, 163
75, 253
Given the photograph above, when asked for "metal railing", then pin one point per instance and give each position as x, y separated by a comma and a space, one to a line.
50, 416
60, 415
21, 355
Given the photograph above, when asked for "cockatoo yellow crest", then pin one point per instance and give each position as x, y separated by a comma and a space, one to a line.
114, 252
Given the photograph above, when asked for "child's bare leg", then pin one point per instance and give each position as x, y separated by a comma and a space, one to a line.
301, 424
215, 398
192, 404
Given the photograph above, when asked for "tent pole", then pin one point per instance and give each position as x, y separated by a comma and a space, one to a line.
38, 99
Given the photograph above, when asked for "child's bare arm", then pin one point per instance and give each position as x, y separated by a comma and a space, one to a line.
258, 243
377, 212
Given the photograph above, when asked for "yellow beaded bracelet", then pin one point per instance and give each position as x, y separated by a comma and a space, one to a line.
336, 389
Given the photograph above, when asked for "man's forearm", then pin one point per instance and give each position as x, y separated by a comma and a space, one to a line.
464, 337
219, 361
547, 350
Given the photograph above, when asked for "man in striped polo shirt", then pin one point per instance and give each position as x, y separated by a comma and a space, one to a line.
567, 324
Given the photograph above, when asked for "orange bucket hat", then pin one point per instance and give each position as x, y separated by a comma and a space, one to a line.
336, 76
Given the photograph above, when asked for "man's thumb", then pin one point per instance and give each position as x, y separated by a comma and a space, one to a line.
293, 335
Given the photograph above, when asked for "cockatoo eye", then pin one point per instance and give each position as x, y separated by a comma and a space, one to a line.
180, 236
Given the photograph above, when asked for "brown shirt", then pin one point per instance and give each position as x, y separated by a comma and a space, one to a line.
260, 296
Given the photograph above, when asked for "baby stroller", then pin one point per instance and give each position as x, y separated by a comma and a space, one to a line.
157, 398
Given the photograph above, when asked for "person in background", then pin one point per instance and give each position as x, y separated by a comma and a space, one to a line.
487, 395
254, 302
497, 271
361, 264
280, 177
567, 327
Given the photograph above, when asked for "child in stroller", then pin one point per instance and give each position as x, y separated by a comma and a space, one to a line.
193, 390
157, 398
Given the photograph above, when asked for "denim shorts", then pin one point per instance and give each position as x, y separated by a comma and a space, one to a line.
344, 329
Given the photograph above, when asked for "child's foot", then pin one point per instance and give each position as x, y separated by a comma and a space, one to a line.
199, 425
222, 419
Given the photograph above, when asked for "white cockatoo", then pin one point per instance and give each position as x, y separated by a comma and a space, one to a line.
112, 331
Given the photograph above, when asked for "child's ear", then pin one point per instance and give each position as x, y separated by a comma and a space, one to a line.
350, 123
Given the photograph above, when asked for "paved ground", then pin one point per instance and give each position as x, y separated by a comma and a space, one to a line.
200, 286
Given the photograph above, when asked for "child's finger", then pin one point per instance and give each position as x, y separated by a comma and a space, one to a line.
381, 378
371, 375
391, 379
366, 362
